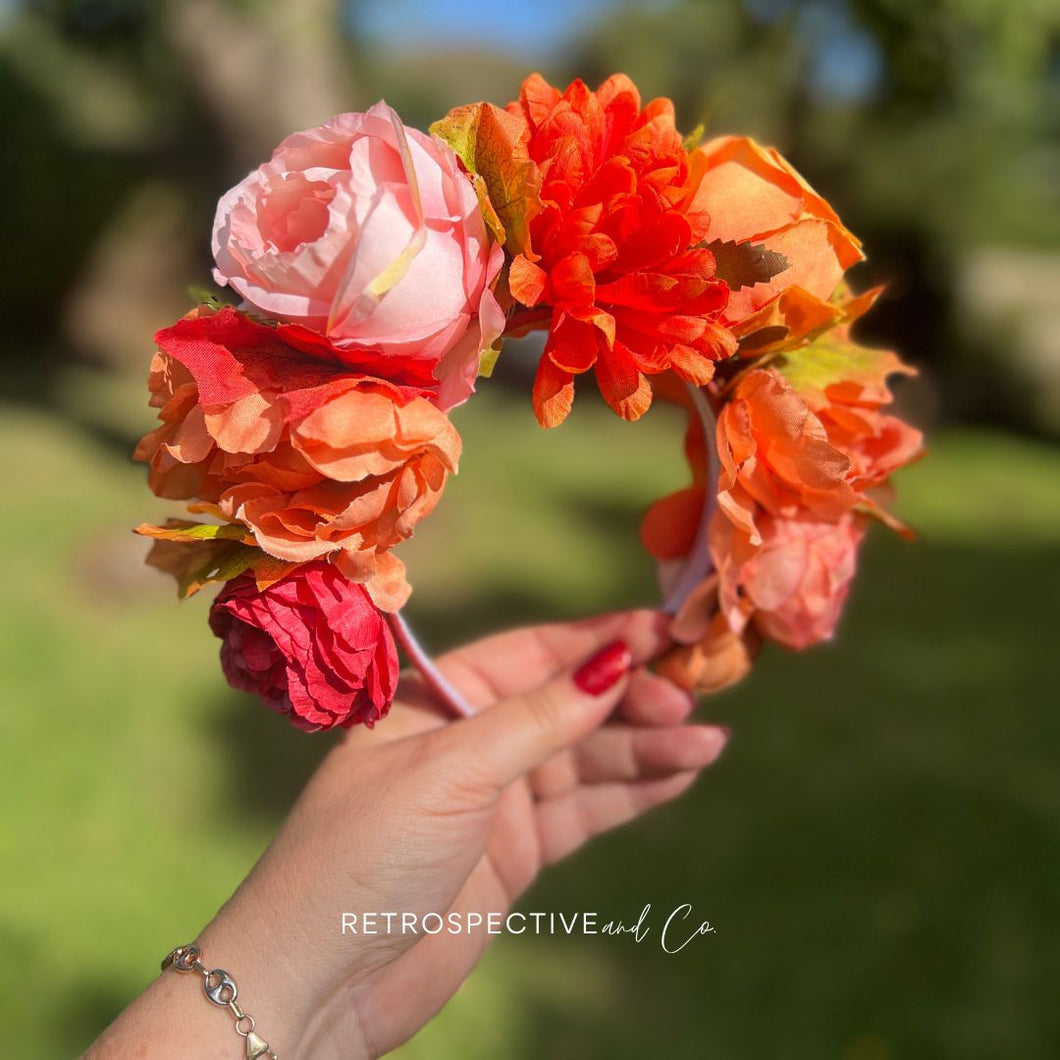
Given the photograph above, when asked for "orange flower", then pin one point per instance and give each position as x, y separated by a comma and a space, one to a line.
806, 438
776, 456
318, 462
797, 317
751, 194
803, 447
708, 655
845, 386
803, 437
615, 255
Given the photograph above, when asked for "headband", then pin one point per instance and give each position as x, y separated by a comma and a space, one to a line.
377, 270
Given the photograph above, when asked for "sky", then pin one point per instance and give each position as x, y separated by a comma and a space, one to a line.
844, 65
519, 27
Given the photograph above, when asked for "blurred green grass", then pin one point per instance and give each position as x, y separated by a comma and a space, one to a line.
878, 849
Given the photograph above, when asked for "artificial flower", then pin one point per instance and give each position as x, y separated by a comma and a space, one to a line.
793, 582
313, 646
845, 387
803, 448
750, 194
708, 655
776, 456
317, 461
615, 257
804, 436
368, 232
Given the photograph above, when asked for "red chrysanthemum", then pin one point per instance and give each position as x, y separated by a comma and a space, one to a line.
614, 250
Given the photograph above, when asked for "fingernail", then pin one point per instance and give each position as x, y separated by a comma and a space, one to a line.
602, 670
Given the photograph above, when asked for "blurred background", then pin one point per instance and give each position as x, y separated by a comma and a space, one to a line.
878, 850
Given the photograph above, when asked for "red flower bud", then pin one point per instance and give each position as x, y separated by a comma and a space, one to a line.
312, 645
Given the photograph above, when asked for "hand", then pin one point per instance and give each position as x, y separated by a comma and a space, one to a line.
421, 815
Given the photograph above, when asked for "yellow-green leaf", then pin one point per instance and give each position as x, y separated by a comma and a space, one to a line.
198, 562
181, 530
205, 296
694, 138
492, 144
812, 369
487, 359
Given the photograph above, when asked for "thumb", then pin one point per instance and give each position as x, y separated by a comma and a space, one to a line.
521, 732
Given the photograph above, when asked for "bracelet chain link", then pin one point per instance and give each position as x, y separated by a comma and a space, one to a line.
220, 989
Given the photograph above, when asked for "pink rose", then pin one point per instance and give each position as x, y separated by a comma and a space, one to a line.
368, 232
793, 585
312, 645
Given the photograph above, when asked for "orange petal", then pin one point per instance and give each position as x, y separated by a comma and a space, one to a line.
572, 345
669, 527
388, 587
721, 659
526, 281
622, 385
691, 365
553, 394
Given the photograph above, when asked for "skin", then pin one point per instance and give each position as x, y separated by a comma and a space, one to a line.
424, 814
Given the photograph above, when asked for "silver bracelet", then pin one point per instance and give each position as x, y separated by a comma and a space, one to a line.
220, 989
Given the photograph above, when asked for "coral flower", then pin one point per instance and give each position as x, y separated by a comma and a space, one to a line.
805, 439
707, 655
792, 586
317, 461
615, 256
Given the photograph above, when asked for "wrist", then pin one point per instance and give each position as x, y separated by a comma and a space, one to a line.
170, 1020
266, 972
220, 989
282, 958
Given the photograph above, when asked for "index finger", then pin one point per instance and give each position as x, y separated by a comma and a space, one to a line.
510, 663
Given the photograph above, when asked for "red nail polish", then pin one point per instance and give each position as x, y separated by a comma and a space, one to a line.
603, 669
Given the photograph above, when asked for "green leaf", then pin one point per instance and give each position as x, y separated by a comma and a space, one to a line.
745, 264
195, 560
812, 369
694, 138
180, 530
204, 296
222, 564
492, 144
229, 561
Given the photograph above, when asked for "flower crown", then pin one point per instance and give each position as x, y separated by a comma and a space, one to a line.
379, 270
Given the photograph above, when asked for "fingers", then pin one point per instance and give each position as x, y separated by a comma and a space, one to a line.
654, 700
570, 820
616, 774
522, 731
629, 753
511, 663
626, 754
